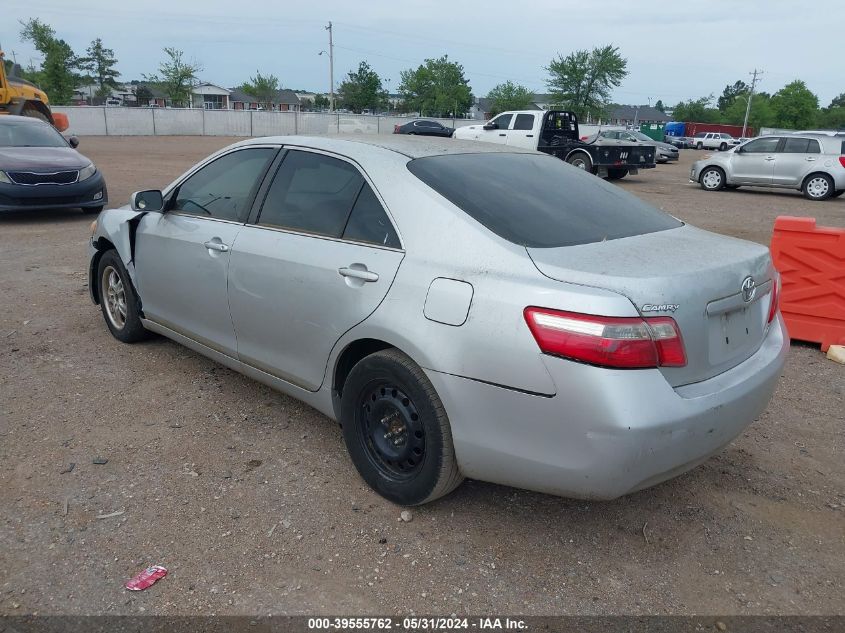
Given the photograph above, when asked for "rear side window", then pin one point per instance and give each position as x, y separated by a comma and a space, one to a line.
813, 147
796, 146
369, 222
524, 122
312, 193
538, 201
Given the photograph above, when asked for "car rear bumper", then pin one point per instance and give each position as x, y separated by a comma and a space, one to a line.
606, 432
78, 195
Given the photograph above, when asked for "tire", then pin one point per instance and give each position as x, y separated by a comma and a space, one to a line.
817, 187
92, 209
616, 174
699, 146
35, 113
580, 160
836, 194
387, 391
114, 284
712, 179
723, 147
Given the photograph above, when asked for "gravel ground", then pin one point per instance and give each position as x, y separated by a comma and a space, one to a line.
250, 501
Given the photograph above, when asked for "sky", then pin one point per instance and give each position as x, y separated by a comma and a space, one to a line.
676, 49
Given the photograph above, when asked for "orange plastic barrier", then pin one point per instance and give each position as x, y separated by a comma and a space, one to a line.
811, 261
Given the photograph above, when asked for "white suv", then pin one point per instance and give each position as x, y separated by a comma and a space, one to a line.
714, 140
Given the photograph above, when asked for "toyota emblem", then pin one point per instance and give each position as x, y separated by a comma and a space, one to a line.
749, 289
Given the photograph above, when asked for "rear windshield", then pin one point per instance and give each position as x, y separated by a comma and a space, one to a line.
538, 201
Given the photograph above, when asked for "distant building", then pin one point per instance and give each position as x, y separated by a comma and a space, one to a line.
210, 97
284, 101
630, 114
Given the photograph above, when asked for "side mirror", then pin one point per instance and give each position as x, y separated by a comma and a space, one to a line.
151, 200
73, 142
491, 126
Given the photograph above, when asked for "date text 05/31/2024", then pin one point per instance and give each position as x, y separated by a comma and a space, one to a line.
416, 624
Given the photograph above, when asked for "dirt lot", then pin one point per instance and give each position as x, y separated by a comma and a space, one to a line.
249, 499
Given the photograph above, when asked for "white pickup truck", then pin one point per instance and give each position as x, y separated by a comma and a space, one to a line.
555, 132
714, 140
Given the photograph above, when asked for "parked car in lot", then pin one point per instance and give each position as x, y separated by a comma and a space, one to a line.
813, 164
556, 132
664, 152
681, 142
462, 309
40, 169
424, 127
714, 140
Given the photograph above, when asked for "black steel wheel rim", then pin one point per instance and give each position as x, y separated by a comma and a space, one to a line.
391, 431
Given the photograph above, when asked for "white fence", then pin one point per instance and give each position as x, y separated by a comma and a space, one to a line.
117, 121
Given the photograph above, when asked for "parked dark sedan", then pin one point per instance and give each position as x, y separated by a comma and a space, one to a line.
39, 169
424, 127
681, 142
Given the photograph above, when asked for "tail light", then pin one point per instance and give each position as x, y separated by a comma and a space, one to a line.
620, 342
773, 306
396, 129
842, 160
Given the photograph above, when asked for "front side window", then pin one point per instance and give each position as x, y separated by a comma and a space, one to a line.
224, 188
503, 121
312, 193
765, 145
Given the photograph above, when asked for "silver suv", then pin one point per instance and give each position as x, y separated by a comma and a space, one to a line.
811, 163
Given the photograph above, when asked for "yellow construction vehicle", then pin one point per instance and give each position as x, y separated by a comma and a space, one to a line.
18, 96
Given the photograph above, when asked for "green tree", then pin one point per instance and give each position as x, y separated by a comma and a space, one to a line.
730, 93
176, 77
57, 76
436, 88
100, 63
838, 102
832, 118
794, 106
583, 81
509, 96
142, 94
696, 111
321, 102
362, 89
264, 88
761, 114
659, 106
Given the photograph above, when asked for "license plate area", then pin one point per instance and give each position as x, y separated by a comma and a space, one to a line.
735, 334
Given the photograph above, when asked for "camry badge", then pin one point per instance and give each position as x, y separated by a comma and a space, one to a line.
660, 307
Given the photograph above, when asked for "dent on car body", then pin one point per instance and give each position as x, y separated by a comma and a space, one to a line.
118, 227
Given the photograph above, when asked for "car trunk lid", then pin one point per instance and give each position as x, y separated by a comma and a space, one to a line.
694, 276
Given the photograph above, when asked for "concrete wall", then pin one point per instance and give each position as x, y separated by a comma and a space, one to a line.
106, 121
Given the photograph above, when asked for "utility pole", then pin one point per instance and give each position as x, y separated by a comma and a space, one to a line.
750, 95
331, 68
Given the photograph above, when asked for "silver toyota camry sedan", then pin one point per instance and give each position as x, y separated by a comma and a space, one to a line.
461, 309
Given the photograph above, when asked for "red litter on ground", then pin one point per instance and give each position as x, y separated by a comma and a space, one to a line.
146, 578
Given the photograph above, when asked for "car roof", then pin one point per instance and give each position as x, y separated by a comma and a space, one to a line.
354, 145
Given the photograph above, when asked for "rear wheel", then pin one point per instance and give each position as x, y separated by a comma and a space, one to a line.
712, 179
581, 161
396, 430
616, 174
818, 187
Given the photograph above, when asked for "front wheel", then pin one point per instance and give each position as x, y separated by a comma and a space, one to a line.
118, 300
723, 147
818, 187
712, 179
581, 161
396, 430
699, 145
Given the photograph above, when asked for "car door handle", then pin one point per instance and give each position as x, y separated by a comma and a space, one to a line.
216, 246
530, 135
810, 159
502, 134
770, 157
357, 273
